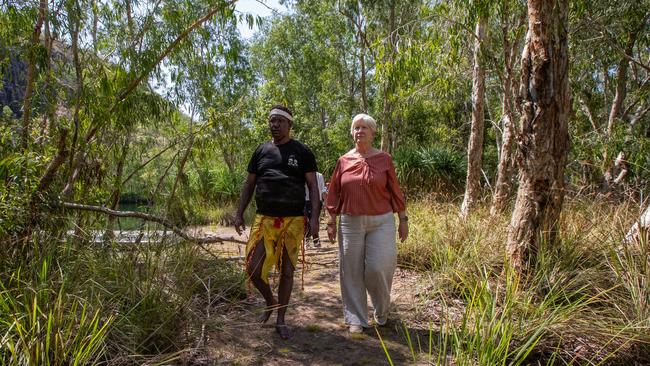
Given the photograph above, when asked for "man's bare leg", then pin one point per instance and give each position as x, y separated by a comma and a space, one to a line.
254, 270
284, 294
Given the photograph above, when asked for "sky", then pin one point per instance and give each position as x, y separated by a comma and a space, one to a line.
261, 8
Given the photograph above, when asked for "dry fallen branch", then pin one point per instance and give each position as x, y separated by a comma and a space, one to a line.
634, 234
144, 216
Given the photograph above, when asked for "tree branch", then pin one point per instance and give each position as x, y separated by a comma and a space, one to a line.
144, 216
618, 48
181, 37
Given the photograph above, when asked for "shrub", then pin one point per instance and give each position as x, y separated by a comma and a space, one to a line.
428, 169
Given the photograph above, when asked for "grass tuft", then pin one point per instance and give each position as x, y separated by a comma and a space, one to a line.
586, 300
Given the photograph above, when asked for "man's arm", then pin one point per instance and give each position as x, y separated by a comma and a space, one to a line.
314, 199
244, 200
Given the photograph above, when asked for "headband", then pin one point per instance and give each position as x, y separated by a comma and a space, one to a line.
280, 112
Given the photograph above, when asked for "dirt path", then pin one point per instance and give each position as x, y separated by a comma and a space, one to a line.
316, 322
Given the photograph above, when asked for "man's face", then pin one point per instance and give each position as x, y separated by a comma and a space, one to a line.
279, 127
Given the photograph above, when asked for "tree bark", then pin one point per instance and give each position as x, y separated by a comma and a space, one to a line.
362, 64
505, 169
386, 126
543, 140
621, 84
615, 174
503, 186
475, 144
634, 235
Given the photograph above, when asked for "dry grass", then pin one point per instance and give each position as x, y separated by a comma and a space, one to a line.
585, 302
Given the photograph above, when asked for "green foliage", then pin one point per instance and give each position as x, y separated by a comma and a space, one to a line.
417, 65
43, 323
594, 154
430, 169
217, 184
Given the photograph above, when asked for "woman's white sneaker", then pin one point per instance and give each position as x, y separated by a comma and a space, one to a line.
356, 329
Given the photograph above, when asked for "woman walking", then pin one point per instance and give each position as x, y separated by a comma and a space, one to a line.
365, 193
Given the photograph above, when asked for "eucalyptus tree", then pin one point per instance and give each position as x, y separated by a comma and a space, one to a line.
214, 80
475, 142
100, 79
158, 31
544, 139
387, 29
610, 76
511, 20
307, 61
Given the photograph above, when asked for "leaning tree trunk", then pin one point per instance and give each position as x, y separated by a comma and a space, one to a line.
636, 232
505, 169
616, 111
386, 123
475, 144
362, 64
543, 141
621, 84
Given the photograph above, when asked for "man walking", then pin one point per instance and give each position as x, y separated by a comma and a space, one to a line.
277, 172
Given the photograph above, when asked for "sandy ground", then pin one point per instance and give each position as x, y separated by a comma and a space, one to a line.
315, 318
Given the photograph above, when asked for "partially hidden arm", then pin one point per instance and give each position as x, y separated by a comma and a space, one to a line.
244, 200
398, 203
314, 199
332, 202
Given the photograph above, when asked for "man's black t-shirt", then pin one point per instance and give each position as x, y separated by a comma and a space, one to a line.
280, 171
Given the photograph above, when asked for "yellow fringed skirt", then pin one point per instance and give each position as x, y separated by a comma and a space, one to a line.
278, 233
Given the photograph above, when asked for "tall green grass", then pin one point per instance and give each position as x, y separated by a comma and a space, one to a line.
115, 305
162, 293
584, 302
41, 324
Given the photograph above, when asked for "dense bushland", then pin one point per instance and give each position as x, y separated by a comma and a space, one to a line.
160, 104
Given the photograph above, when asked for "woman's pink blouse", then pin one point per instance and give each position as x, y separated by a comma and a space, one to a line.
365, 186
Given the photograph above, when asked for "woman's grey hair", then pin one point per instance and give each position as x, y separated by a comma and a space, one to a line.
366, 118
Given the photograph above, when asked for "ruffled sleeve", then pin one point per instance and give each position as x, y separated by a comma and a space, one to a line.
333, 203
397, 201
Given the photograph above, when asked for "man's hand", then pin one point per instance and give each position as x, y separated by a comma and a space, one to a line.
239, 224
313, 228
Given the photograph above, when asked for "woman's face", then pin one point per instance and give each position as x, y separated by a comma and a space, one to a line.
361, 132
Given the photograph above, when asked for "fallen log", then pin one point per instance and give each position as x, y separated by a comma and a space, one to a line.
160, 220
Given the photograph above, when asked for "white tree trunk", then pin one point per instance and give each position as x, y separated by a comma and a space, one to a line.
633, 235
475, 144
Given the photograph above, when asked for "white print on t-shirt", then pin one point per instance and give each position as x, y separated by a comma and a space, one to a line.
292, 161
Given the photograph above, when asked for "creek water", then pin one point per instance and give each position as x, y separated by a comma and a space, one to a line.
131, 223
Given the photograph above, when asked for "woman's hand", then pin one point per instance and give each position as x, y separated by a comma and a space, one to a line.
403, 230
331, 231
